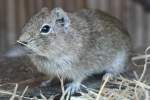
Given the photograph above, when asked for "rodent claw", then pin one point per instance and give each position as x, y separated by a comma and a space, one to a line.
73, 87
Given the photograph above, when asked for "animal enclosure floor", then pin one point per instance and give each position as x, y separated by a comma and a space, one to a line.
23, 72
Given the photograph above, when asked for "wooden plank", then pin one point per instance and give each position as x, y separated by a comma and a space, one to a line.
3, 35
11, 21
20, 16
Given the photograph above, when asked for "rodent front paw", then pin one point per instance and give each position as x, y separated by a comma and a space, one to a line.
73, 87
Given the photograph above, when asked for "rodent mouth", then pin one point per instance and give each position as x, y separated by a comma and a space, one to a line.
25, 47
29, 50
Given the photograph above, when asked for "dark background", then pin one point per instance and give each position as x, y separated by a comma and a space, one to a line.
134, 14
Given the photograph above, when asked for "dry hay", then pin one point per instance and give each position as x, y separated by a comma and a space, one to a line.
119, 88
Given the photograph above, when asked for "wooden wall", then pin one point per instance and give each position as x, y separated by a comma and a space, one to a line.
14, 13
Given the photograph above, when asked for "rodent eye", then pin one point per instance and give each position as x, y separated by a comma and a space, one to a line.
45, 29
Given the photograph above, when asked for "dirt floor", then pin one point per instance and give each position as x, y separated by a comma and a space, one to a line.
22, 71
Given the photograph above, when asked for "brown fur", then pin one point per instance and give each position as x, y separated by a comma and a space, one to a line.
89, 42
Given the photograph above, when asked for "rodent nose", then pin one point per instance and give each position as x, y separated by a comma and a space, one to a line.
22, 43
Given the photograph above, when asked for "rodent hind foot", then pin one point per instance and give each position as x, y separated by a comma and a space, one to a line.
107, 76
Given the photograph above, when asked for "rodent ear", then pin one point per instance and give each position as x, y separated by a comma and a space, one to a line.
61, 17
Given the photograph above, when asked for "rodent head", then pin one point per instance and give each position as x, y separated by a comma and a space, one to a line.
48, 32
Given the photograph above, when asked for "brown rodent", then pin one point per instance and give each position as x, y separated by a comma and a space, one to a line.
76, 45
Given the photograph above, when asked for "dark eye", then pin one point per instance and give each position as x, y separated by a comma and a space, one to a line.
45, 29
